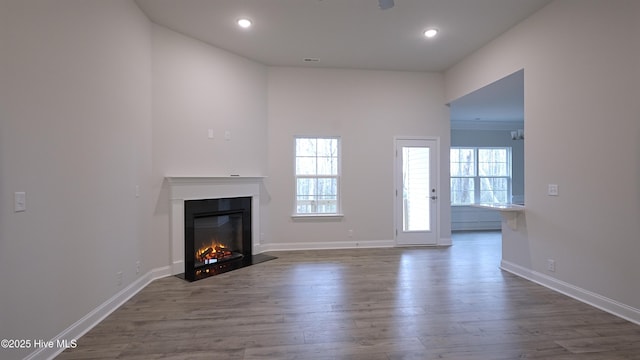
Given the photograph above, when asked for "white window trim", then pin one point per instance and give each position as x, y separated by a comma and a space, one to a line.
338, 214
477, 178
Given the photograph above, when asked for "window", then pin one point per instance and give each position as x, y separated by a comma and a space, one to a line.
317, 171
480, 175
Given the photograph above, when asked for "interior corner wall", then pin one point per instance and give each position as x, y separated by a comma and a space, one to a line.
366, 109
199, 88
581, 122
75, 136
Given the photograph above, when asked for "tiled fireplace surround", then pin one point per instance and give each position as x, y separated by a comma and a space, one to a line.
195, 188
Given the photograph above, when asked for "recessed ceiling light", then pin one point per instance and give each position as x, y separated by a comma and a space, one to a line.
244, 23
430, 33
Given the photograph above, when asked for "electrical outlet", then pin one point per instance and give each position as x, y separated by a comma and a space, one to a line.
552, 190
551, 265
350, 233
138, 267
20, 201
119, 278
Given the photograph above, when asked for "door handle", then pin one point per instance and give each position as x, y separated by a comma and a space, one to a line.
433, 197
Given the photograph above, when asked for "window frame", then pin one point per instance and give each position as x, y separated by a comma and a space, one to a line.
337, 177
477, 178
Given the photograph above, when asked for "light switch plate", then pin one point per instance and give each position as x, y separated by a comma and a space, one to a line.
20, 201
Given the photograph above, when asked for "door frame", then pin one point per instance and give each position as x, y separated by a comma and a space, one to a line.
397, 187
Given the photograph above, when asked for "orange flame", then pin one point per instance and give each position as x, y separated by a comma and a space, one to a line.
214, 250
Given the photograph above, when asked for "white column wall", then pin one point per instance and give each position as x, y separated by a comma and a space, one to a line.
582, 87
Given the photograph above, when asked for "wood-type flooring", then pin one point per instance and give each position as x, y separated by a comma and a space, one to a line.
369, 304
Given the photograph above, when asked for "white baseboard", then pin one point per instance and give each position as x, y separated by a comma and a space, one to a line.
596, 300
339, 245
98, 314
328, 245
177, 267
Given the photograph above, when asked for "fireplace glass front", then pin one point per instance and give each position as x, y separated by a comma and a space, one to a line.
217, 236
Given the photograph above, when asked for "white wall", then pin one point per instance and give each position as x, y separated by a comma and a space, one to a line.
75, 135
197, 87
582, 128
366, 109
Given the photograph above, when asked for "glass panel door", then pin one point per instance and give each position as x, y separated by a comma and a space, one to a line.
416, 193
415, 189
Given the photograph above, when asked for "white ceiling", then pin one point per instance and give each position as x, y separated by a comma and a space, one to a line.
499, 105
344, 33
358, 34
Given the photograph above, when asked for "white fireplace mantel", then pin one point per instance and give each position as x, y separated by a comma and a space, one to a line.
183, 188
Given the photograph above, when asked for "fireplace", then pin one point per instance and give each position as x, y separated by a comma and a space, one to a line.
200, 191
217, 236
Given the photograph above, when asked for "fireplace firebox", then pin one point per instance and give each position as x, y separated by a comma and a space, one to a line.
217, 236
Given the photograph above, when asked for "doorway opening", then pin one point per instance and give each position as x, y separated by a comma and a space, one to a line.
487, 152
